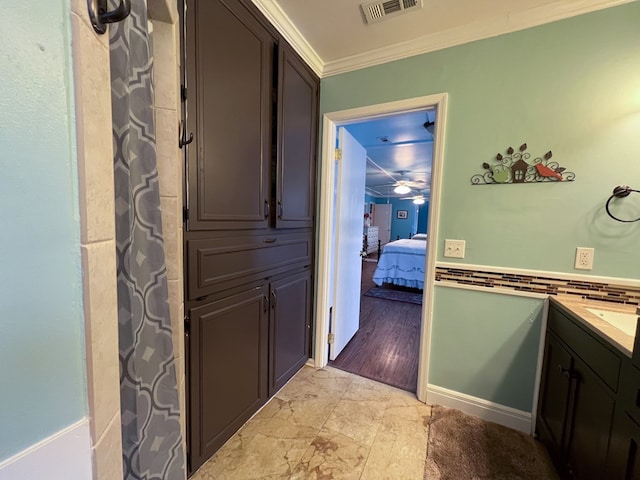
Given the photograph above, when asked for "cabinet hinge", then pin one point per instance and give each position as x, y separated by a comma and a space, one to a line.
331, 338
183, 93
187, 324
338, 154
185, 214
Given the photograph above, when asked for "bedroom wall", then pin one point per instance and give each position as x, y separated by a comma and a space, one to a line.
557, 87
41, 321
423, 218
402, 227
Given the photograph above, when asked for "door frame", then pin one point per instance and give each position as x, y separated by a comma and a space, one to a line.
331, 120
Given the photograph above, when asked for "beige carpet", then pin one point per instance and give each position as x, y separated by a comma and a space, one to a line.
462, 447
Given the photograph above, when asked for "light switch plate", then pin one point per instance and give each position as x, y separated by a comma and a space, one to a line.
454, 248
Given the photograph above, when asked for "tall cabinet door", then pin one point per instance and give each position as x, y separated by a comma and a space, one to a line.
289, 327
229, 99
228, 365
296, 150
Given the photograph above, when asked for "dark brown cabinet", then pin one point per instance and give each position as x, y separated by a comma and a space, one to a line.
228, 361
252, 105
289, 337
240, 116
577, 397
229, 91
298, 112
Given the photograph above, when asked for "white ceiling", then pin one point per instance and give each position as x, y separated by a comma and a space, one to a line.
333, 38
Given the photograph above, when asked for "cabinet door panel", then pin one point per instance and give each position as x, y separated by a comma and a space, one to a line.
229, 109
623, 461
290, 325
590, 424
228, 369
297, 126
554, 394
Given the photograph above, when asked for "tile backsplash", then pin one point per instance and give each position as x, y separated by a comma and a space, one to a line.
538, 284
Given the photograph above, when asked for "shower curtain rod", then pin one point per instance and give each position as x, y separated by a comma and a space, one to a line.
100, 17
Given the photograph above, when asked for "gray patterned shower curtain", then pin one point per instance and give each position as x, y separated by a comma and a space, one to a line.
151, 434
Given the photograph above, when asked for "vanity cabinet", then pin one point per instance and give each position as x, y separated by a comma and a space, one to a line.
624, 457
578, 392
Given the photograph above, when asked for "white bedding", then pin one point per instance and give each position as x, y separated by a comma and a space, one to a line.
402, 263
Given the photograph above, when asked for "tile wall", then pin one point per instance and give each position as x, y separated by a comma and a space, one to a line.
547, 285
91, 78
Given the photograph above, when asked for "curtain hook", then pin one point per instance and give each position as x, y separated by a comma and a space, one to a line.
182, 135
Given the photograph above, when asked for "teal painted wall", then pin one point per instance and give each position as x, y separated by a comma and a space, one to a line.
463, 362
572, 87
41, 323
423, 218
400, 227
560, 87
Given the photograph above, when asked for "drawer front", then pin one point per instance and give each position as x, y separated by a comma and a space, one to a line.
604, 362
221, 263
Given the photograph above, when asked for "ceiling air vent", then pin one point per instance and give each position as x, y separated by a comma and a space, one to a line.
375, 12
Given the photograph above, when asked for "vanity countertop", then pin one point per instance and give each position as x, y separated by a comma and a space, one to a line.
578, 307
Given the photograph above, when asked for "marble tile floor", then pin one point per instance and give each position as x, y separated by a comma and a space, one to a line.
328, 424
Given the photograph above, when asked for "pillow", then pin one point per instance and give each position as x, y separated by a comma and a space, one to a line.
419, 236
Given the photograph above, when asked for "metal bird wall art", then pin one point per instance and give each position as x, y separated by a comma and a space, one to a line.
515, 167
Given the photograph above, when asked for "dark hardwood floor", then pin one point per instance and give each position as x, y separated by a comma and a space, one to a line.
386, 346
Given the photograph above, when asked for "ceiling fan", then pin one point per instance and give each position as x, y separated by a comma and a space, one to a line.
404, 184
419, 198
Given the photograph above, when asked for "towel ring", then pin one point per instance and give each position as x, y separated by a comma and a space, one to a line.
620, 191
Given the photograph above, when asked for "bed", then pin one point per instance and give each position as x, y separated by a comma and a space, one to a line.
402, 263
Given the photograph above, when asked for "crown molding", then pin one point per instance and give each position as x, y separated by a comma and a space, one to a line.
500, 25
272, 11
507, 23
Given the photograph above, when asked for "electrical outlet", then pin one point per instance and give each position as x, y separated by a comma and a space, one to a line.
454, 248
584, 258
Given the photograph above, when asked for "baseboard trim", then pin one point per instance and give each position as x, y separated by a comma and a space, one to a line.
478, 407
65, 455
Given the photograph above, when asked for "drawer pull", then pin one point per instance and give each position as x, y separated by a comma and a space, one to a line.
269, 240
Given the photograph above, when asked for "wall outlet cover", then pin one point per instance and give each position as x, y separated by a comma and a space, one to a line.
584, 258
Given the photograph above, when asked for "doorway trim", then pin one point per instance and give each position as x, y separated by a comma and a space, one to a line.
330, 121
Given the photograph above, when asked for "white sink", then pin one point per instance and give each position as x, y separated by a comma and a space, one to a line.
626, 322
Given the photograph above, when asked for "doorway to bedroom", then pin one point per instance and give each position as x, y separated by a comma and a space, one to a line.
397, 187
379, 191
